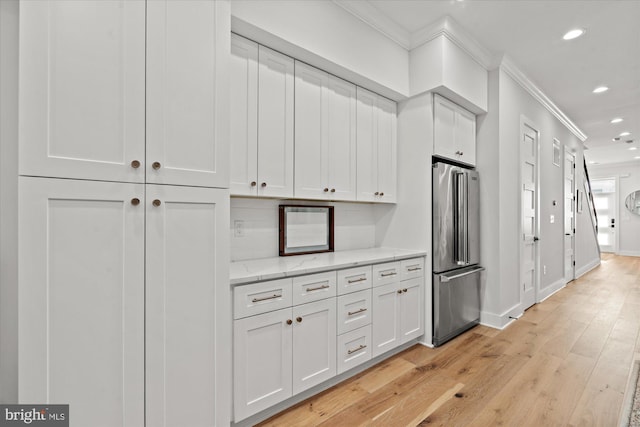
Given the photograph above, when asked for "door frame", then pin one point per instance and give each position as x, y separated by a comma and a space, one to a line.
570, 152
526, 122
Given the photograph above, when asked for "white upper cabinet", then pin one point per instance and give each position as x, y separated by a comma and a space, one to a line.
186, 97
454, 131
275, 124
244, 116
82, 89
325, 136
99, 78
376, 148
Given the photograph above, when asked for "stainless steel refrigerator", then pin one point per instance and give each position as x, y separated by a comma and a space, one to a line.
456, 251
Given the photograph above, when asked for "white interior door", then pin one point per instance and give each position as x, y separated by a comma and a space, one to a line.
604, 199
569, 215
528, 250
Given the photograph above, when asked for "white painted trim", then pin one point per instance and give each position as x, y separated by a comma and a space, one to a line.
551, 289
587, 268
629, 253
501, 321
512, 70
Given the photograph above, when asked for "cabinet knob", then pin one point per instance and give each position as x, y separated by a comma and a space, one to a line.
156, 165
381, 194
404, 290
135, 201
264, 184
399, 291
333, 190
156, 203
253, 183
376, 193
299, 319
461, 153
135, 164
289, 321
326, 190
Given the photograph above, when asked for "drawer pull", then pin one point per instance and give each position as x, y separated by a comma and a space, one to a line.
318, 288
414, 269
360, 347
351, 313
362, 279
274, 296
388, 274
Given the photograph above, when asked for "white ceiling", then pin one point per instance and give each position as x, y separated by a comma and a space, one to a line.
530, 32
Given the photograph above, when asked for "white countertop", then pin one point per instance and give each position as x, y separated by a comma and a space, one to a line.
256, 270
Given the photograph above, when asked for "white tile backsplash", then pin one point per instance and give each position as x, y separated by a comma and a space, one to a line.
355, 226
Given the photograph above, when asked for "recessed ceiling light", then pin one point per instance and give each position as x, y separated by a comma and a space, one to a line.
637, 157
625, 134
617, 120
600, 89
573, 34
633, 148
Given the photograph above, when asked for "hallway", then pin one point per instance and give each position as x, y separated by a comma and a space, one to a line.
564, 362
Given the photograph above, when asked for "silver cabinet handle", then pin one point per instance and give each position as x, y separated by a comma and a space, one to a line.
360, 347
388, 274
318, 288
414, 269
362, 279
457, 276
351, 313
274, 296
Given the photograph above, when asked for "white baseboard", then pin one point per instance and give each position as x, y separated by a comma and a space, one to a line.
629, 253
587, 268
551, 289
500, 321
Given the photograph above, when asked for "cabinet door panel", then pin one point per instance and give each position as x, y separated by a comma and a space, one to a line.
387, 162
244, 116
311, 136
444, 128
275, 124
187, 63
81, 293
386, 318
354, 348
354, 311
262, 362
314, 344
411, 312
367, 137
466, 136
341, 139
81, 89
186, 276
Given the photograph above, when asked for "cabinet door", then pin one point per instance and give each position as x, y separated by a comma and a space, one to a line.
314, 343
387, 150
82, 89
411, 309
341, 143
367, 150
261, 362
386, 318
81, 294
244, 116
187, 323
275, 124
311, 132
187, 93
466, 136
444, 113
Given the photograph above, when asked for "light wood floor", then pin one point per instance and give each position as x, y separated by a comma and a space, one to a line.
565, 362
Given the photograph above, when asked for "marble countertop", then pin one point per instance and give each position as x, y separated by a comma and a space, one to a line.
256, 270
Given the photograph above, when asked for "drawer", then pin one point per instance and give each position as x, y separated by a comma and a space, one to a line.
354, 279
386, 273
314, 287
261, 297
354, 348
412, 268
354, 310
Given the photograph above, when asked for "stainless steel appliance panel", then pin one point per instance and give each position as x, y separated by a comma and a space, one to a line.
456, 302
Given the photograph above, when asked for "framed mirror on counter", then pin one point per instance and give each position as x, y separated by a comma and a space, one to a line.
632, 202
305, 229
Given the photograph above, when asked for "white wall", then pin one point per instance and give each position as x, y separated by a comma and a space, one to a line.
326, 36
8, 201
355, 226
628, 224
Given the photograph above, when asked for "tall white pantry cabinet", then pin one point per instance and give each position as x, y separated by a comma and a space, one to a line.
124, 301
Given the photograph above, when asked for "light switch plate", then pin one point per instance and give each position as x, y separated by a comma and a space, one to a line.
552, 219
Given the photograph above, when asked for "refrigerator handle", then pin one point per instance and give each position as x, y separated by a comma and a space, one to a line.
465, 211
460, 220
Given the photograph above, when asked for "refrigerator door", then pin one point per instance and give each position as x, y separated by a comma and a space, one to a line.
455, 217
456, 303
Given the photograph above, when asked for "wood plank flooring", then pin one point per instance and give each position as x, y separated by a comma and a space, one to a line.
565, 362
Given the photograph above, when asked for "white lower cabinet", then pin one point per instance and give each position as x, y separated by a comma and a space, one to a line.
354, 348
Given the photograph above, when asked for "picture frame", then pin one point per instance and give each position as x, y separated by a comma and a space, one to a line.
305, 229
556, 152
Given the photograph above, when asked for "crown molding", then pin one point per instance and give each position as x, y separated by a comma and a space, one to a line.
509, 67
369, 14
